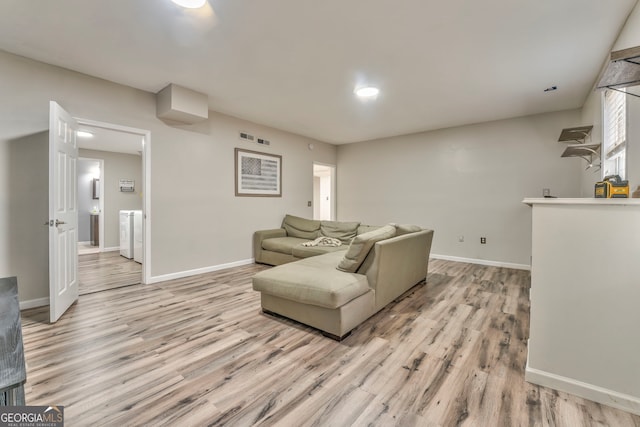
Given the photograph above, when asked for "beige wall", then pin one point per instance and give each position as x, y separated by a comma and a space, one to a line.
466, 181
630, 34
196, 221
24, 195
117, 166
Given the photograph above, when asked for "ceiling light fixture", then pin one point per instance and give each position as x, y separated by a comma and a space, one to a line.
190, 4
367, 92
84, 134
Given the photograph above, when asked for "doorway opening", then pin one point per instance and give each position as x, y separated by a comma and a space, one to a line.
123, 186
90, 205
324, 189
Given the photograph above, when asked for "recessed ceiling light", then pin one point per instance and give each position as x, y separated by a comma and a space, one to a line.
190, 4
367, 92
84, 134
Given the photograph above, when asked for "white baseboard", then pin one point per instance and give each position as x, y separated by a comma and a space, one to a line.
482, 262
592, 392
117, 248
187, 273
33, 303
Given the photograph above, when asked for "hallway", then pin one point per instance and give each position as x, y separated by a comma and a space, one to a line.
107, 270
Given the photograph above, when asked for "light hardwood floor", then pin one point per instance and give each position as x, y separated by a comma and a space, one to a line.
198, 351
106, 270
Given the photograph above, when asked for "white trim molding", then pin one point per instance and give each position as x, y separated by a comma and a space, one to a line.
187, 273
33, 303
587, 391
482, 262
146, 178
111, 249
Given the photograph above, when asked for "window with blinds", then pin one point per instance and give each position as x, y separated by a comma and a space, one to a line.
614, 142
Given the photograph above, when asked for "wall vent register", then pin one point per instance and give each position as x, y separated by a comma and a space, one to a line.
250, 138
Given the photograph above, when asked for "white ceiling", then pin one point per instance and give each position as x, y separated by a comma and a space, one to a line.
293, 64
110, 140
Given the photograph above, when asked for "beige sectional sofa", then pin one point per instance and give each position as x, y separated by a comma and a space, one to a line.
282, 245
338, 289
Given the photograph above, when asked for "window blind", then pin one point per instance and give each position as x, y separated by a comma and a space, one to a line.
615, 133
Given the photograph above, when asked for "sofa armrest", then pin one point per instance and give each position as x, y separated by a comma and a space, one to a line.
261, 235
395, 265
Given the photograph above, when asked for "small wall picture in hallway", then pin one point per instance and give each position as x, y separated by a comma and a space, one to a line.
127, 185
96, 188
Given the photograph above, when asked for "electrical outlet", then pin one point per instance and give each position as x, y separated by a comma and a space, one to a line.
309, 204
460, 239
483, 240
546, 192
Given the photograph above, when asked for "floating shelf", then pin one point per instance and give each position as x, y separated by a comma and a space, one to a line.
623, 69
587, 152
578, 134
581, 150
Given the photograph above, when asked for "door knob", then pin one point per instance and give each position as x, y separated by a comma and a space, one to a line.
58, 222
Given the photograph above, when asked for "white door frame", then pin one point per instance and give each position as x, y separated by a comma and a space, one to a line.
334, 187
146, 178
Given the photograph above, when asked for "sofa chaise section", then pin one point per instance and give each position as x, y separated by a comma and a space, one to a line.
314, 291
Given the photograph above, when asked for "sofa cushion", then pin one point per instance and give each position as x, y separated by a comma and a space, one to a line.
363, 228
361, 245
406, 229
300, 251
301, 227
311, 283
343, 231
283, 245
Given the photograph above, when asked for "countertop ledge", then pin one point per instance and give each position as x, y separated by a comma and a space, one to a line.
580, 201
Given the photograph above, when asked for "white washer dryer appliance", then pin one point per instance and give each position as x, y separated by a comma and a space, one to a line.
137, 236
126, 234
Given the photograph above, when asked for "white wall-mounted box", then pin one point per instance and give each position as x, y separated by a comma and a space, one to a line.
181, 104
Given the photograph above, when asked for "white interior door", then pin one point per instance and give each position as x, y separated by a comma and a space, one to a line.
63, 212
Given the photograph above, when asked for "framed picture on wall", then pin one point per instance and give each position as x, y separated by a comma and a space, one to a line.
96, 188
258, 174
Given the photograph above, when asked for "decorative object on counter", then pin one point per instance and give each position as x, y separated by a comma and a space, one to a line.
636, 194
612, 187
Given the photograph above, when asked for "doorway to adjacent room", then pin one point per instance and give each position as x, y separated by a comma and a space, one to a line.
110, 181
324, 190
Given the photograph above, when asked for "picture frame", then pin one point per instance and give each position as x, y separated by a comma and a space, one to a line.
257, 174
96, 188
